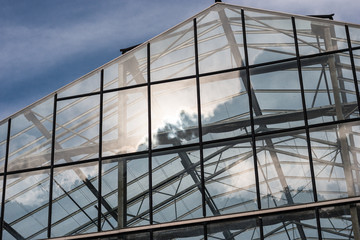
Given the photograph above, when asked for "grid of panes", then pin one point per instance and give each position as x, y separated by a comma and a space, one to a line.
229, 112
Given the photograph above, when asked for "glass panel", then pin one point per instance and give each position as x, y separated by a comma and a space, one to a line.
230, 179
269, 37
336, 155
236, 230
189, 233
86, 84
173, 53
356, 55
26, 205
224, 106
276, 97
3, 136
337, 222
174, 113
284, 170
125, 187
298, 225
125, 121
77, 129
176, 186
74, 207
316, 36
329, 88
129, 69
220, 39
354, 36
30, 140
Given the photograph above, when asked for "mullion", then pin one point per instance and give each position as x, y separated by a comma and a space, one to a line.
308, 142
251, 112
4, 179
52, 163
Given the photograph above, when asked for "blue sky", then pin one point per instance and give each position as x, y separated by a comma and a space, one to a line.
45, 44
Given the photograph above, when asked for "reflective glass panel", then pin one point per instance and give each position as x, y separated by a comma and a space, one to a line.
269, 37
335, 153
220, 39
129, 69
298, 225
3, 136
125, 187
337, 222
284, 169
125, 121
189, 233
176, 180
354, 36
276, 97
329, 88
173, 53
86, 84
229, 179
74, 203
356, 55
316, 36
30, 140
174, 116
26, 205
224, 106
236, 230
77, 129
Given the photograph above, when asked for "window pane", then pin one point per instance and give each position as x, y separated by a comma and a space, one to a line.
86, 84
276, 97
229, 179
77, 129
284, 169
354, 36
337, 222
129, 69
30, 140
26, 204
125, 187
74, 207
3, 136
176, 186
329, 88
298, 225
220, 39
173, 53
335, 155
174, 113
125, 121
236, 230
224, 106
269, 37
316, 36
356, 55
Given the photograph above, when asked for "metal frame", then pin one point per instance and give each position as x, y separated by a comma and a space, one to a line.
297, 62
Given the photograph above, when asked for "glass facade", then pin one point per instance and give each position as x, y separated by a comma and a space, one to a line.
236, 124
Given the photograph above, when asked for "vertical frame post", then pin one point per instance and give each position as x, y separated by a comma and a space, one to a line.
4, 180
52, 166
249, 92
197, 72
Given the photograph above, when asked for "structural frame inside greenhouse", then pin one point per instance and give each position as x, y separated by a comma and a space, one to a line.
238, 123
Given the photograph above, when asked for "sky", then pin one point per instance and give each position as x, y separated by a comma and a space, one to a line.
46, 44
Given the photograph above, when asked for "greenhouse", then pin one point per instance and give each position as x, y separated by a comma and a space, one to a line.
237, 123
